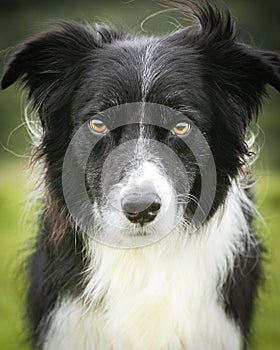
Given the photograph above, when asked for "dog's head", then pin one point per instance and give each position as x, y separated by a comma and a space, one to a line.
156, 121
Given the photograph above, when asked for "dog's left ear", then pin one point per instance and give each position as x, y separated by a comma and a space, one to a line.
240, 74
269, 64
243, 72
252, 67
234, 73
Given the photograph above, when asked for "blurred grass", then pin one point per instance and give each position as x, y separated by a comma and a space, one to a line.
267, 321
12, 194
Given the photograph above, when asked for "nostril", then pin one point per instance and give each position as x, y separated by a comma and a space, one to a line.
141, 208
154, 207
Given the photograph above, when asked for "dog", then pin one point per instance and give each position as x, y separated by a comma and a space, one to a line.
147, 236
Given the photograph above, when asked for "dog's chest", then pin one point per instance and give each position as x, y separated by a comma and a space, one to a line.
151, 300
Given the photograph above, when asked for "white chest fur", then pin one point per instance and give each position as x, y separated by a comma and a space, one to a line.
161, 297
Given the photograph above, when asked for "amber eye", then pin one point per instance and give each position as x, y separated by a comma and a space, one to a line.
98, 126
181, 129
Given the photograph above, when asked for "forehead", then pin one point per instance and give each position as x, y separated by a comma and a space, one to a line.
142, 70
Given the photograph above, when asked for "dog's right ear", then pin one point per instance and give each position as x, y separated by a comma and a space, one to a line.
50, 65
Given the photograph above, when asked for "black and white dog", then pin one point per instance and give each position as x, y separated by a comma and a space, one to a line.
146, 238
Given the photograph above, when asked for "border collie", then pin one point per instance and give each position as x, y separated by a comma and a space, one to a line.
146, 237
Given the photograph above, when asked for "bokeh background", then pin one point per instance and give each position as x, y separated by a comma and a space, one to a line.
259, 23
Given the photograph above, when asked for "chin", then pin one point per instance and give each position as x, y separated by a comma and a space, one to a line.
146, 235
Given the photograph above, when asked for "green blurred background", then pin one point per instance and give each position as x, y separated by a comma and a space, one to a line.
259, 23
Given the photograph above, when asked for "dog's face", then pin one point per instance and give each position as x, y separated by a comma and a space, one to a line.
158, 111
140, 172
151, 130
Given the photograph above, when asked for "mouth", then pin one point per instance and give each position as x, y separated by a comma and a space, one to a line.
139, 233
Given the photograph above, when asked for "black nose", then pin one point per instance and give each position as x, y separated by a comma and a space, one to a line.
141, 208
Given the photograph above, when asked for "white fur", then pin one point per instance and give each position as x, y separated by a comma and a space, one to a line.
145, 47
164, 296
148, 73
115, 229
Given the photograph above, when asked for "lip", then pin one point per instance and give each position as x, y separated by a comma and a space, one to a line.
139, 234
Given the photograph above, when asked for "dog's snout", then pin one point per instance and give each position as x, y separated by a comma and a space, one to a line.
141, 207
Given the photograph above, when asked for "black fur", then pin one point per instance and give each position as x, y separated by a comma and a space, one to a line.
52, 273
240, 290
75, 71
